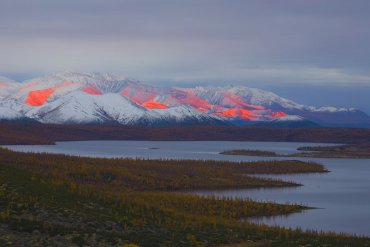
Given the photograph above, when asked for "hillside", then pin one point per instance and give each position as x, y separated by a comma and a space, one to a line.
33, 133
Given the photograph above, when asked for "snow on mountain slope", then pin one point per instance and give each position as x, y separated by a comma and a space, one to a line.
264, 98
7, 113
62, 83
76, 97
185, 113
7, 86
289, 118
289, 121
204, 98
81, 78
14, 105
256, 97
330, 109
239, 99
11, 109
81, 107
237, 95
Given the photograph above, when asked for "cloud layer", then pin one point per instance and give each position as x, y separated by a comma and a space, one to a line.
289, 41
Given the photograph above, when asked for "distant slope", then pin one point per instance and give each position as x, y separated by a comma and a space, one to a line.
290, 121
20, 133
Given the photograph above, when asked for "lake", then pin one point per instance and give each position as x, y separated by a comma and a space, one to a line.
342, 197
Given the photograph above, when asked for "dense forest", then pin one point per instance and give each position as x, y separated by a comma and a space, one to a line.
34, 133
59, 200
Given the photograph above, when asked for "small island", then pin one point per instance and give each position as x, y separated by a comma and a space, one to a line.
358, 151
250, 152
352, 151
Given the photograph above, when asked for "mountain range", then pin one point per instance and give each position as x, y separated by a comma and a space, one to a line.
70, 97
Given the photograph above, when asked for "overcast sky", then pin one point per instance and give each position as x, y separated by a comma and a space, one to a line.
321, 46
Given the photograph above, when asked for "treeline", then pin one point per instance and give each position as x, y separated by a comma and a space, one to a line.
58, 200
34, 133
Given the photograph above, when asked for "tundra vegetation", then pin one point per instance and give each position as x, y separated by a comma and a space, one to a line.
59, 200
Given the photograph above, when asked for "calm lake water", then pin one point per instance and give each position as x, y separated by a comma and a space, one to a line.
341, 196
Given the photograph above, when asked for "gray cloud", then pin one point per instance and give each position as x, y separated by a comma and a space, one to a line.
288, 41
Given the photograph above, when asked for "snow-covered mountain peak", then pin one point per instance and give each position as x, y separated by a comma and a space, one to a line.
58, 84
83, 78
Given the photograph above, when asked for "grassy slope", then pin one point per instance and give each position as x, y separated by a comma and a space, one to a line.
158, 174
57, 200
